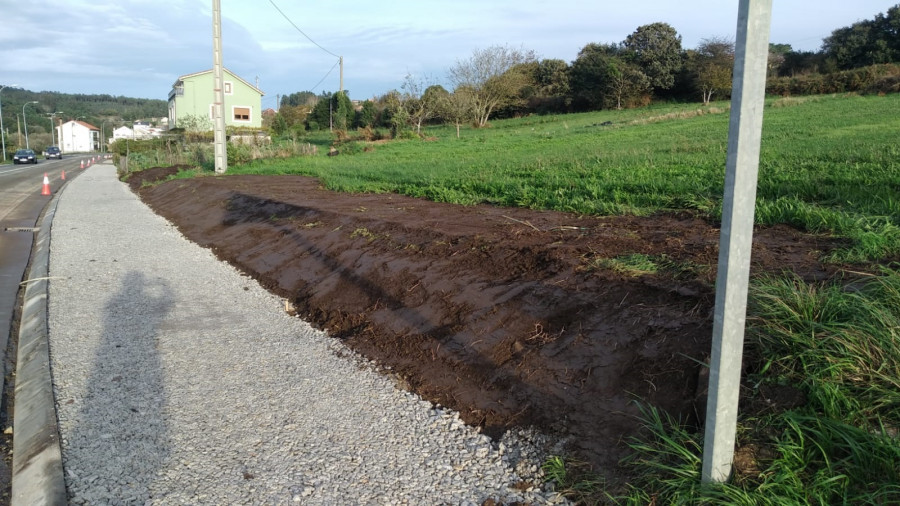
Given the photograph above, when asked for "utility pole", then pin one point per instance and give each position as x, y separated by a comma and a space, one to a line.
221, 155
736, 239
277, 102
25, 120
342, 74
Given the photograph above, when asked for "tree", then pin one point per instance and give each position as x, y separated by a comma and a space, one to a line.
293, 115
603, 76
342, 111
279, 124
624, 82
320, 116
552, 77
713, 63
487, 74
657, 52
333, 110
802, 62
420, 100
458, 107
586, 74
367, 115
299, 98
866, 42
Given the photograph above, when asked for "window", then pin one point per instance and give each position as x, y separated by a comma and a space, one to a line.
227, 87
241, 113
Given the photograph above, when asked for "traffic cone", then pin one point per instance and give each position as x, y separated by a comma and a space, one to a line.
82, 164
89, 162
45, 190
63, 177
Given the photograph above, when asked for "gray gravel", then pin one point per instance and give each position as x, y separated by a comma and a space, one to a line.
180, 381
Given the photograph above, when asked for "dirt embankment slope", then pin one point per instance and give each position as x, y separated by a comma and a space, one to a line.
507, 315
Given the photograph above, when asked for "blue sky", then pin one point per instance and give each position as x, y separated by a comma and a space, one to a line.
138, 48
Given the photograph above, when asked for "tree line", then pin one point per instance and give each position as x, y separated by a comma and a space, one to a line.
650, 64
94, 109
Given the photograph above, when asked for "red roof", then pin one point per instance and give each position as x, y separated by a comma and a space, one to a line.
88, 125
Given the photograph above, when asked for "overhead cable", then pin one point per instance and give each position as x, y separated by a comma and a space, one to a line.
301, 31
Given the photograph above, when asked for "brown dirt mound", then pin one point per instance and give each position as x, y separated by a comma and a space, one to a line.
502, 314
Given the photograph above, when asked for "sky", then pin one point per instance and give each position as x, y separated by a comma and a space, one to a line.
138, 48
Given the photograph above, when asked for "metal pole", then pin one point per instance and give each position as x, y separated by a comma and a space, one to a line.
53, 127
221, 155
25, 121
736, 239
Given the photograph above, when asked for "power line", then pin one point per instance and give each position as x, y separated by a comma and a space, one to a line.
301, 31
326, 75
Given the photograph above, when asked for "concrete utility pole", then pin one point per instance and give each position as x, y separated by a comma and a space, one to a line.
25, 120
736, 240
342, 73
221, 154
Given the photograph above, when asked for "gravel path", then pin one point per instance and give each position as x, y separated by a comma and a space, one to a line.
180, 381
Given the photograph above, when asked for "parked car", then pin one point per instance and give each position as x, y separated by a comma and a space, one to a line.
53, 152
24, 156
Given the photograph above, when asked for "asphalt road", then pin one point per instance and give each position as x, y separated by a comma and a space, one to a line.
21, 203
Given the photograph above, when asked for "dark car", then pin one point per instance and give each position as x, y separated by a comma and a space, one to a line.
53, 152
24, 156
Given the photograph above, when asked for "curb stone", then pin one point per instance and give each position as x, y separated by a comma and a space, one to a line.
37, 471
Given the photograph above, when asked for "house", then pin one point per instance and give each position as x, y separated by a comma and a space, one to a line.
143, 130
123, 132
192, 95
78, 137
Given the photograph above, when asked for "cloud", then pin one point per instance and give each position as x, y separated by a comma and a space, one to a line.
139, 47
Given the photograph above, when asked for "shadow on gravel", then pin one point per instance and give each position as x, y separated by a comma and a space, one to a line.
119, 433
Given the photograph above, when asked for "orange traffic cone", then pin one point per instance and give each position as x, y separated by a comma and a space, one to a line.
89, 162
63, 177
82, 164
45, 190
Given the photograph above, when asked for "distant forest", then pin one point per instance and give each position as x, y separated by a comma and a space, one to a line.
106, 111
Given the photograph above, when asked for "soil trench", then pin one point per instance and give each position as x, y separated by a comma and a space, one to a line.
509, 316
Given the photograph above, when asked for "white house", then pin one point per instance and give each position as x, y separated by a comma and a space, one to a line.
123, 132
143, 130
78, 137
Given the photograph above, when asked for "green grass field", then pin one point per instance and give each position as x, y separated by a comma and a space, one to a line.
829, 164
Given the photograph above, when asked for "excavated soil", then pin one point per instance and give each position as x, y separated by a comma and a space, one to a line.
506, 315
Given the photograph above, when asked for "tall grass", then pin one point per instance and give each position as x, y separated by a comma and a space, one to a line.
828, 165
841, 344
836, 342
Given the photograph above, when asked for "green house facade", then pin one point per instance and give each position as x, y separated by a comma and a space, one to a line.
192, 95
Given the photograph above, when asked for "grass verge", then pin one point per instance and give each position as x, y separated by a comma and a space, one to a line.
838, 345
